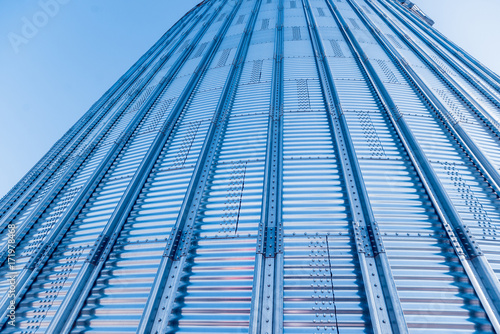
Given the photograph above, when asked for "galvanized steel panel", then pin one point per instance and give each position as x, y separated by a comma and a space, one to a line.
285, 166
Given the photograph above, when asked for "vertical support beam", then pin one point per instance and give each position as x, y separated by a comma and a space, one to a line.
266, 315
37, 261
9, 209
480, 274
486, 168
125, 81
479, 69
71, 306
162, 296
385, 308
482, 113
113, 152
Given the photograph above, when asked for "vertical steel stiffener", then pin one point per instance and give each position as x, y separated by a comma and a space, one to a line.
270, 166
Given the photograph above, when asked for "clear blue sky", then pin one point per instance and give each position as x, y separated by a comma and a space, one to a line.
80, 51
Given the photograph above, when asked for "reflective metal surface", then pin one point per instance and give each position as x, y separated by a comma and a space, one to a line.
270, 166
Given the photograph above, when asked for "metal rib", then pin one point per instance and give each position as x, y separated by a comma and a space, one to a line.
386, 314
485, 73
266, 315
35, 265
90, 271
482, 113
106, 162
128, 78
92, 118
155, 319
486, 168
488, 288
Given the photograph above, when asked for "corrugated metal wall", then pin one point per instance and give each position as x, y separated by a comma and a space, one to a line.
269, 166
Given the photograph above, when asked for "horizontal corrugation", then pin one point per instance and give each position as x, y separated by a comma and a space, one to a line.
354, 95
434, 291
255, 101
416, 243
260, 51
442, 62
158, 205
322, 289
484, 138
115, 305
80, 177
323, 286
91, 222
307, 135
232, 40
313, 195
244, 139
343, 68
299, 49
303, 95
151, 221
202, 105
444, 153
299, 68
370, 135
214, 78
216, 287
294, 16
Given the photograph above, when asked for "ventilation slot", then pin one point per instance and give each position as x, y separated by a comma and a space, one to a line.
370, 134
141, 99
387, 71
442, 65
394, 41
303, 94
240, 19
354, 24
223, 58
187, 143
132, 90
158, 116
256, 71
265, 24
184, 46
293, 4
452, 106
296, 33
321, 12
234, 197
221, 17
200, 50
337, 51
